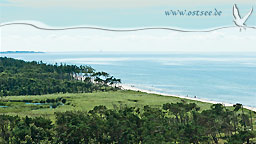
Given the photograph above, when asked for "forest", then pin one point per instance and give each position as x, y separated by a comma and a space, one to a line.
143, 120
172, 123
18, 77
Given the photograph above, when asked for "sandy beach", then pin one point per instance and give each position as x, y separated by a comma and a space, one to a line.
131, 87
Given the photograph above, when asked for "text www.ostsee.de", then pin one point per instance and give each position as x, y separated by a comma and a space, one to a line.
214, 12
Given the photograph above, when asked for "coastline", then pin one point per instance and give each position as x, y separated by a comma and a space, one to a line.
131, 87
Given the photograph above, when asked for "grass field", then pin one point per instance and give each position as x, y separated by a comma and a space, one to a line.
85, 102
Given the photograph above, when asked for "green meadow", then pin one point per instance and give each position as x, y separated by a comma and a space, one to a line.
17, 105
85, 102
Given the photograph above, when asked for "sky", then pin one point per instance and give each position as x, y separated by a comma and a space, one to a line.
124, 13
119, 14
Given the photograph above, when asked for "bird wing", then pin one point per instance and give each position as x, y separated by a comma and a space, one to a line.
236, 12
245, 18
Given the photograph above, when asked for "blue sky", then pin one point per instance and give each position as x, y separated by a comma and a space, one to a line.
123, 13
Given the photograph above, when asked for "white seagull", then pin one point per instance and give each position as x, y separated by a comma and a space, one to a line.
240, 22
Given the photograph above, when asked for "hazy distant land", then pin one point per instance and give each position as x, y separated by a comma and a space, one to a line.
10, 52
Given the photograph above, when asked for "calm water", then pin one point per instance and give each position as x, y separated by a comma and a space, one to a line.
220, 77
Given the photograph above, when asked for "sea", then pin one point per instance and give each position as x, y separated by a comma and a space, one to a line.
222, 77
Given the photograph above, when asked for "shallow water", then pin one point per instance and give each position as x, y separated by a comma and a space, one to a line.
3, 106
36, 103
224, 77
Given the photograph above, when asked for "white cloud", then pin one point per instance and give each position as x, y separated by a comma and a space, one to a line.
18, 37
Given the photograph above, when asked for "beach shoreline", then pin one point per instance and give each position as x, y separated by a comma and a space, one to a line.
133, 88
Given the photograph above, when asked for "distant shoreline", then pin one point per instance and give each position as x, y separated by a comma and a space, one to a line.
14, 52
130, 87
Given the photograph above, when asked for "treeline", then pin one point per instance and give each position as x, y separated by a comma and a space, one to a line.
173, 123
18, 77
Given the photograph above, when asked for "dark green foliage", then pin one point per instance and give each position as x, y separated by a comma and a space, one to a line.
18, 77
72, 127
174, 123
64, 101
17, 130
